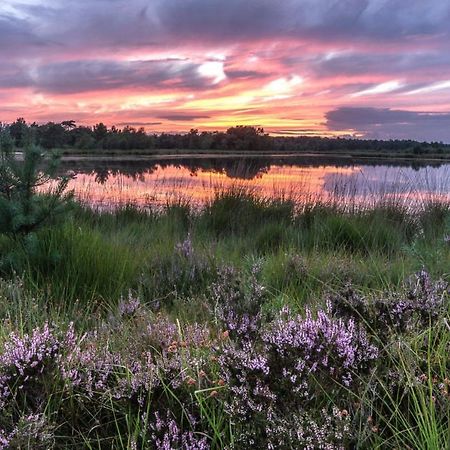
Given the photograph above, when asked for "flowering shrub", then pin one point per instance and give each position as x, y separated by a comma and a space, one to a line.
88, 373
427, 298
236, 302
27, 367
331, 431
164, 335
421, 304
279, 372
160, 354
166, 434
185, 248
31, 431
183, 273
324, 345
268, 379
25, 361
93, 370
129, 306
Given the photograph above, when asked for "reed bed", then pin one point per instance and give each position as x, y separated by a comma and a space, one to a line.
355, 187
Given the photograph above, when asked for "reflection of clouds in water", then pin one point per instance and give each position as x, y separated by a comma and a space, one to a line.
176, 180
354, 183
377, 180
241, 168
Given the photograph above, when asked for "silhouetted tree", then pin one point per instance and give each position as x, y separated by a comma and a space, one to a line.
100, 131
68, 124
20, 132
52, 135
246, 138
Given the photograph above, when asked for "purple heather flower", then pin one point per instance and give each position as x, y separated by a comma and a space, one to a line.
26, 358
276, 370
29, 431
167, 435
185, 248
128, 307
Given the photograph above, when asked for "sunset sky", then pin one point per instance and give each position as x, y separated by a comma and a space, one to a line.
371, 68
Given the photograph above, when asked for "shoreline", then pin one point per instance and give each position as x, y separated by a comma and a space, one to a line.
126, 156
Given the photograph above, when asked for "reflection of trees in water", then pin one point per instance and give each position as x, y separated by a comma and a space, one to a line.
244, 168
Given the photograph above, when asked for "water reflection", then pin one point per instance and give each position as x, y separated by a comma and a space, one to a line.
109, 182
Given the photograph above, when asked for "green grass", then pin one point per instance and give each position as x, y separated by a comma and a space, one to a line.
99, 256
415, 414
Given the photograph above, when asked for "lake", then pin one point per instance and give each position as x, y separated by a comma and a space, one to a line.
109, 182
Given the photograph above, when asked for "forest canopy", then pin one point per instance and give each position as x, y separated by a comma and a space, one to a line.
67, 134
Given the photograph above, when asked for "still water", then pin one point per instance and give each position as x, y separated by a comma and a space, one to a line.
148, 182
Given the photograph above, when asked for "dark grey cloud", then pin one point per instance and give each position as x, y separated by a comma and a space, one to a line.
384, 123
294, 132
325, 20
82, 25
137, 124
124, 23
246, 74
220, 20
16, 35
13, 76
395, 64
179, 117
40, 35
83, 76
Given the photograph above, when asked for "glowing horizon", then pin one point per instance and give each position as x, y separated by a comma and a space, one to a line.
371, 68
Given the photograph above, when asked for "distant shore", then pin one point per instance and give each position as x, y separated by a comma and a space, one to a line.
76, 154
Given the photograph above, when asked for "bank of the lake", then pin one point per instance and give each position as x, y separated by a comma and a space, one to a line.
426, 156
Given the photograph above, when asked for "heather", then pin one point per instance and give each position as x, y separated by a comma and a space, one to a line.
251, 323
325, 376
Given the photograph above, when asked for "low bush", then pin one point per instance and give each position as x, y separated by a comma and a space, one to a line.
356, 372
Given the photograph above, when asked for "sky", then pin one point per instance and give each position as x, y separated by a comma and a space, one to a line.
365, 68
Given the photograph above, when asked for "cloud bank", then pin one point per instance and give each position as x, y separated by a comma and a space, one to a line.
382, 123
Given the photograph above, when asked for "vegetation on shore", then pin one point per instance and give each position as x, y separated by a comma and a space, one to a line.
253, 323
101, 139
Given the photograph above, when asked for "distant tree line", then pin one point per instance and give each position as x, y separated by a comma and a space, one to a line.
67, 134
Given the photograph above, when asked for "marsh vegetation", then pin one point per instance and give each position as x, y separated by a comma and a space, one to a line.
253, 322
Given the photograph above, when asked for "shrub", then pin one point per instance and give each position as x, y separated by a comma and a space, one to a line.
182, 273
237, 302
25, 207
22, 209
421, 303
151, 378
283, 368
